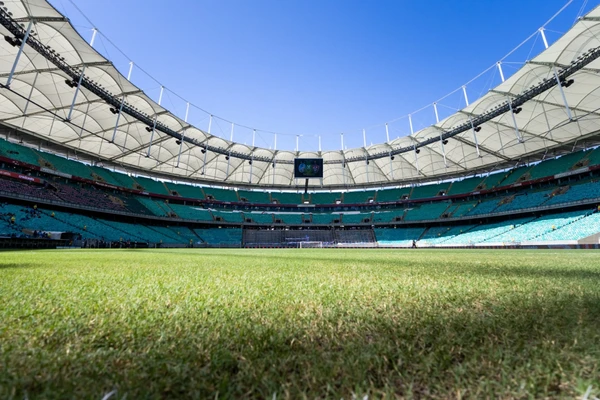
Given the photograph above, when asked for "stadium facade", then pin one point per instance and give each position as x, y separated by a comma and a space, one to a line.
61, 100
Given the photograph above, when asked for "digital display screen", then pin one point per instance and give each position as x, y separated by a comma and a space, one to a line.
308, 168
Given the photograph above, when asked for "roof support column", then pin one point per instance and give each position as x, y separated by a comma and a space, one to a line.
187, 113
412, 132
274, 141
416, 158
499, 65
180, 146
204, 162
512, 113
130, 70
274, 163
231, 133
251, 165
387, 133
320, 143
30, 93
342, 138
253, 138
364, 138
297, 136
78, 88
76, 93
437, 116
443, 150
162, 90
152, 136
210, 123
118, 118
562, 93
475, 137
544, 37
228, 158
464, 88
14, 67
391, 165
84, 119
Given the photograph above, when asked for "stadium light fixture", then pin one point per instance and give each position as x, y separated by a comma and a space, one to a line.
445, 141
148, 129
417, 151
517, 110
477, 129
568, 83
392, 158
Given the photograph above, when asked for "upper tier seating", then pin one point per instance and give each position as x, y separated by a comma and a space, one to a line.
225, 195
493, 180
358, 197
191, 212
103, 175
286, 197
516, 175
429, 190
187, 191
325, 198
254, 196
555, 166
391, 195
124, 180
61, 164
152, 186
466, 185
19, 153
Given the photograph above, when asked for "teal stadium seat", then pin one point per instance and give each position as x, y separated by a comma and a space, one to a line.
358, 197
19, 153
392, 195
428, 190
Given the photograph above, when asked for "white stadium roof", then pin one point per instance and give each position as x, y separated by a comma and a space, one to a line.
140, 135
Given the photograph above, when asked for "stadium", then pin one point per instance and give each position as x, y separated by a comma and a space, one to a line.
164, 261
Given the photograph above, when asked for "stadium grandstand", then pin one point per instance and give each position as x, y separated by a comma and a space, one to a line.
88, 159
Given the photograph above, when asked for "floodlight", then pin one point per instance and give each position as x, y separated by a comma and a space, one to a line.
477, 128
517, 110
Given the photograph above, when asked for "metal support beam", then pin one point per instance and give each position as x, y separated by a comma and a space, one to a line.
562, 93
30, 93
387, 133
499, 65
152, 136
14, 67
512, 113
464, 88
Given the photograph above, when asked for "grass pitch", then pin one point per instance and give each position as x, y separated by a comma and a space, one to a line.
299, 324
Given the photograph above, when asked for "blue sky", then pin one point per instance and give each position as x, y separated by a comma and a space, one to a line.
316, 67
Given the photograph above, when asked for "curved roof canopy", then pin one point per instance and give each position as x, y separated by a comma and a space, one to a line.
63, 91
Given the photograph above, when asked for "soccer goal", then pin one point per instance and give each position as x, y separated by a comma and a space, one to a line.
310, 245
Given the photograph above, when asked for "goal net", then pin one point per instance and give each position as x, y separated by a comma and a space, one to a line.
310, 245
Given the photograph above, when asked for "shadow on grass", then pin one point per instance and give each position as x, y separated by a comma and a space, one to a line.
519, 348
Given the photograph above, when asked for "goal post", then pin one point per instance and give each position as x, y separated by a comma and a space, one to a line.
310, 245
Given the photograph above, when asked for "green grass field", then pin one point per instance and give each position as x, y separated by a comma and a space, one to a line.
299, 324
